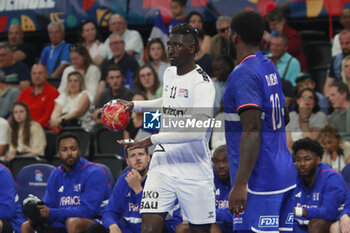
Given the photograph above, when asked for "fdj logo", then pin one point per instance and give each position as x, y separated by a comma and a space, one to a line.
151, 120
290, 218
268, 221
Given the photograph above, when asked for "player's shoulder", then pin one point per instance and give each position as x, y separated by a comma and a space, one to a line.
327, 172
170, 70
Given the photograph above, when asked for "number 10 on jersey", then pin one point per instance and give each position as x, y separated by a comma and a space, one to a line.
276, 111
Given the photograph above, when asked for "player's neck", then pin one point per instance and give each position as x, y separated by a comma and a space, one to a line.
185, 68
310, 180
245, 52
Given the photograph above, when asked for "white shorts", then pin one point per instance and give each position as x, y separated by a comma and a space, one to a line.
196, 197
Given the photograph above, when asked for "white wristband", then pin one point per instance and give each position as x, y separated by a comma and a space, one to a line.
298, 211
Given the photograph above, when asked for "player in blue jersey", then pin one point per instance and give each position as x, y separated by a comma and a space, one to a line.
222, 189
76, 191
11, 217
122, 214
343, 225
255, 135
320, 189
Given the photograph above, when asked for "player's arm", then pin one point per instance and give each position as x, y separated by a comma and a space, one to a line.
249, 151
7, 195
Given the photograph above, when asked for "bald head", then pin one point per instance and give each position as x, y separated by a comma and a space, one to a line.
15, 35
117, 24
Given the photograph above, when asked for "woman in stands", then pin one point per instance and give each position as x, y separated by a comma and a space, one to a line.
195, 19
337, 150
81, 62
147, 82
307, 119
345, 70
90, 38
27, 137
156, 56
72, 106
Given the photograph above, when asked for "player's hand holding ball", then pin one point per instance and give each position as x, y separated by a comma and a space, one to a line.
116, 114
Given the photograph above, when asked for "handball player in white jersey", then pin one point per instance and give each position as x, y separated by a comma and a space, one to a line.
181, 164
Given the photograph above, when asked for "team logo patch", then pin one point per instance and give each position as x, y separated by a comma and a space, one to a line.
38, 176
183, 93
151, 120
268, 221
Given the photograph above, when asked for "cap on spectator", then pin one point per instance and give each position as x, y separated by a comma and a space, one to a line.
303, 76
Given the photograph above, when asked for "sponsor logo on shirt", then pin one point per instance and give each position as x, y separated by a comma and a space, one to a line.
67, 201
151, 120
60, 190
268, 221
183, 93
211, 214
221, 204
298, 195
134, 207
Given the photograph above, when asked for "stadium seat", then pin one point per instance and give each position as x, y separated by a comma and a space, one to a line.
19, 162
318, 53
113, 161
108, 172
32, 179
50, 149
319, 74
346, 173
54, 82
106, 141
85, 140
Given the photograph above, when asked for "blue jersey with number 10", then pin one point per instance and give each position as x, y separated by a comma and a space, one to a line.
255, 84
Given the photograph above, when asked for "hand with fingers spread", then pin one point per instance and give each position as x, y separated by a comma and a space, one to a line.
238, 198
133, 144
129, 105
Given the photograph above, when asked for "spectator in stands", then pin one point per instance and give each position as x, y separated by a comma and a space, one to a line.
307, 119
305, 80
17, 73
115, 79
4, 136
288, 66
11, 217
147, 82
335, 68
278, 23
223, 187
203, 59
222, 67
22, 51
337, 151
90, 38
177, 8
195, 19
345, 70
75, 191
339, 98
132, 40
8, 96
72, 106
27, 137
123, 210
320, 190
81, 62
220, 45
121, 58
40, 97
344, 20
56, 55
157, 57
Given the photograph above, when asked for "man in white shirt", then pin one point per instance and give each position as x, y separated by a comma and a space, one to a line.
181, 163
132, 38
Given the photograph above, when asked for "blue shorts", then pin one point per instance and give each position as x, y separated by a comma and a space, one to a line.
266, 213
